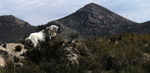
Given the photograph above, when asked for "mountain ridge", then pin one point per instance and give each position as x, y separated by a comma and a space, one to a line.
89, 21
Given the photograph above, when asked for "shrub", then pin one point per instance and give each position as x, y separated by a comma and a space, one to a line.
18, 48
47, 51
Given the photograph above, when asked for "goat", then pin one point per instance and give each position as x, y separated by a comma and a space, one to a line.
41, 36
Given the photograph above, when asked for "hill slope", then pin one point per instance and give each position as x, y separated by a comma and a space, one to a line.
13, 29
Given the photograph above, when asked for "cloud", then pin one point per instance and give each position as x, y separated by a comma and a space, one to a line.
38, 12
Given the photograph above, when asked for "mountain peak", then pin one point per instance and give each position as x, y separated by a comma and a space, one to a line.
93, 20
7, 16
10, 20
93, 7
92, 4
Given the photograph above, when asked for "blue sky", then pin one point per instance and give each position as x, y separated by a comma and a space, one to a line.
38, 12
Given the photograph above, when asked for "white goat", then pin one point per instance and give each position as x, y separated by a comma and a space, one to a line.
37, 37
51, 31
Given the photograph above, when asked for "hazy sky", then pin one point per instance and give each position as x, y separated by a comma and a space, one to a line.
38, 12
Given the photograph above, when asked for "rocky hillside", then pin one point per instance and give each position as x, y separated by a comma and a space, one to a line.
94, 20
13, 29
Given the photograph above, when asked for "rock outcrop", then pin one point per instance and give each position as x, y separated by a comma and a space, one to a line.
10, 54
2, 62
74, 50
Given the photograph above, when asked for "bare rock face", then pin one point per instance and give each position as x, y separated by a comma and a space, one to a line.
12, 29
10, 54
2, 62
74, 50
